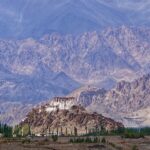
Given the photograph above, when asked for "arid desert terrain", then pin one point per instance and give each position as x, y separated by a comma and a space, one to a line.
112, 143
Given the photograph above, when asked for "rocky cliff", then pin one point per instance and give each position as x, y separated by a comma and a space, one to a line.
127, 102
75, 120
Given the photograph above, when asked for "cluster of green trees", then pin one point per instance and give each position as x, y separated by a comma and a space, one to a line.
145, 131
104, 132
124, 132
133, 133
55, 138
5, 130
23, 130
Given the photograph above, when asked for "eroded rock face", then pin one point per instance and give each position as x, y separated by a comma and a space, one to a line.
55, 61
66, 121
125, 101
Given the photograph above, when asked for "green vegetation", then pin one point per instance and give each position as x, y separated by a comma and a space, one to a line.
23, 130
55, 138
123, 132
134, 133
75, 131
115, 146
134, 147
85, 140
5, 130
104, 132
26, 141
103, 140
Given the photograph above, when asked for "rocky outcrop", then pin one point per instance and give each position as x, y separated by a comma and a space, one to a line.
75, 120
125, 101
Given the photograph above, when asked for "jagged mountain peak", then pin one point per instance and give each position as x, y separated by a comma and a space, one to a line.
92, 58
124, 100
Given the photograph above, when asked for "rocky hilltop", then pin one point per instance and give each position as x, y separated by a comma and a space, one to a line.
75, 120
83, 96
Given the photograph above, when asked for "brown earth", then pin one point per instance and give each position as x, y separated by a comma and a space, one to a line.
63, 144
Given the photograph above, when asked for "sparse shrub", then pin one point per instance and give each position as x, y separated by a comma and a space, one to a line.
85, 140
119, 148
95, 140
103, 140
82, 140
79, 140
115, 146
71, 141
112, 144
42, 142
133, 135
75, 131
88, 140
135, 147
46, 140
55, 138
26, 141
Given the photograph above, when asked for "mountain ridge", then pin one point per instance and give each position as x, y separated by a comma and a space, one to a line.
37, 70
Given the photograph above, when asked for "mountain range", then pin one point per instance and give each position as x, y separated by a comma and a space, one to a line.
36, 70
54, 48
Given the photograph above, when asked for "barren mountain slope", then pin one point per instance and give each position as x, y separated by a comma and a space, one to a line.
66, 121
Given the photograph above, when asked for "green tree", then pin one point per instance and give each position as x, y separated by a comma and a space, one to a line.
75, 131
66, 132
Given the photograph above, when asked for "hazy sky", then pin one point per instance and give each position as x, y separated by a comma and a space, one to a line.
24, 18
